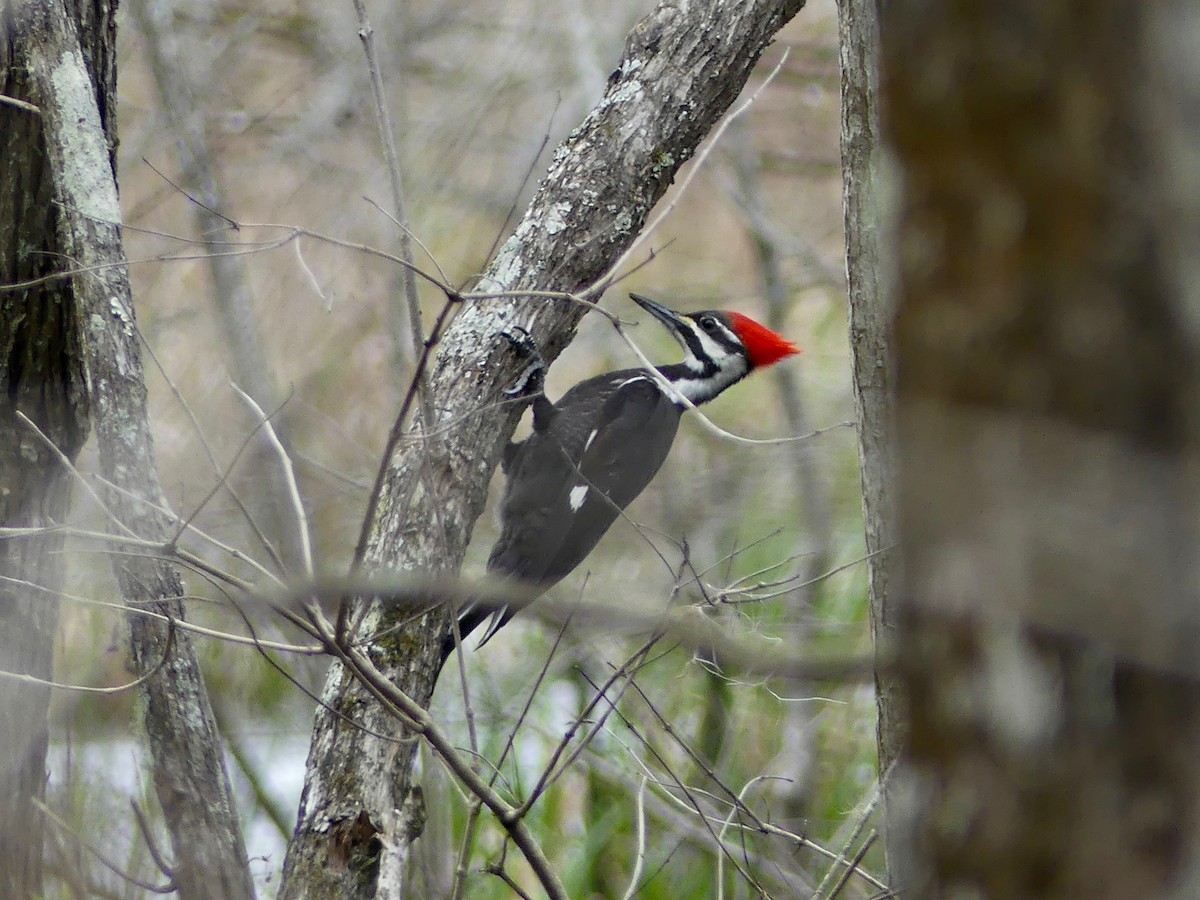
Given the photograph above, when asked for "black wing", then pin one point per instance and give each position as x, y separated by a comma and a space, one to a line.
569, 481
535, 469
632, 436
536, 512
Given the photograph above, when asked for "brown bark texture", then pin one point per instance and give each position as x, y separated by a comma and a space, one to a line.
76, 160
682, 67
873, 362
1048, 372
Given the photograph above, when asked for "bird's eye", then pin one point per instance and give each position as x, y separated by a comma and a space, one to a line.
708, 323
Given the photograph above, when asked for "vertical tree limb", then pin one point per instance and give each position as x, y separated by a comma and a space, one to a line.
795, 759
190, 778
874, 367
232, 294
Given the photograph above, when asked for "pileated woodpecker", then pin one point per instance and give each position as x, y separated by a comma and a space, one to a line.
594, 451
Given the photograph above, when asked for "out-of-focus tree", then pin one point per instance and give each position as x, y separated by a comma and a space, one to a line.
1048, 350
42, 378
78, 318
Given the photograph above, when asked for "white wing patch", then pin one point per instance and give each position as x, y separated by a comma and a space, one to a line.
591, 437
577, 494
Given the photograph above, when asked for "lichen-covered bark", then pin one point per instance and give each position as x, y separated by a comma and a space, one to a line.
1048, 374
874, 366
683, 66
209, 856
41, 376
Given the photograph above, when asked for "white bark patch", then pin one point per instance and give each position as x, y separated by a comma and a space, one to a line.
631, 90
556, 217
578, 493
506, 268
89, 173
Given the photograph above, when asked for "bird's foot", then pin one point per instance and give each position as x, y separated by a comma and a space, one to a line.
532, 378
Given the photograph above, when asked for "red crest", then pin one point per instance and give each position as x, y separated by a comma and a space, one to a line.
763, 345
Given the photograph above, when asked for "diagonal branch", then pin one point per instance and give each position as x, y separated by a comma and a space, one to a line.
683, 66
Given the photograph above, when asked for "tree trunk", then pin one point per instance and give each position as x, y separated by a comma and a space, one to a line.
682, 68
1049, 364
41, 377
874, 371
192, 785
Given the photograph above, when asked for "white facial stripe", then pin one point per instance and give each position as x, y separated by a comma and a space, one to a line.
701, 389
713, 350
705, 350
722, 367
578, 493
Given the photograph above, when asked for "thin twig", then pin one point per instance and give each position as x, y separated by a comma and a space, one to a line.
70, 466
19, 104
181, 624
168, 888
88, 689
289, 474
387, 138
552, 769
864, 816
688, 791
212, 456
854, 864
147, 832
640, 857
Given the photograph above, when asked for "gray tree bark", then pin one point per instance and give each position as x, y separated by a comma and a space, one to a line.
41, 377
190, 779
682, 67
1048, 349
874, 370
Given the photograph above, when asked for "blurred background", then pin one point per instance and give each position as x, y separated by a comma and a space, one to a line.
262, 111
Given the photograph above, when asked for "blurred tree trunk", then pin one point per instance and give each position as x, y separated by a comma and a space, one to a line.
1048, 342
42, 377
65, 65
682, 68
232, 293
874, 369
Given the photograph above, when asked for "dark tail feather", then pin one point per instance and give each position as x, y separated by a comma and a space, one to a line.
471, 615
470, 619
